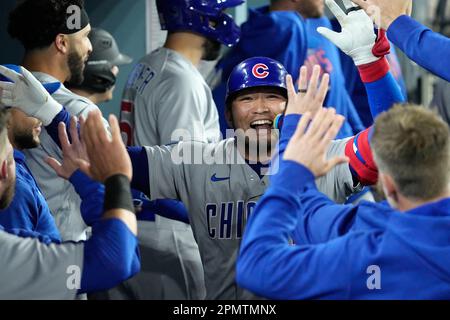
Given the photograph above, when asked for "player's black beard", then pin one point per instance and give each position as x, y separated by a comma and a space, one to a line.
211, 50
76, 67
25, 140
8, 195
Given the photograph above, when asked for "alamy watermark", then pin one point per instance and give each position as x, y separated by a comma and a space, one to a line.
74, 19
73, 281
374, 280
249, 147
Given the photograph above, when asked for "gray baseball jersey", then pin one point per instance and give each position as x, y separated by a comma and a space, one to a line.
32, 270
166, 92
62, 198
220, 197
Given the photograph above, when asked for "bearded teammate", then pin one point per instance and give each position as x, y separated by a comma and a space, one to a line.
55, 54
102, 68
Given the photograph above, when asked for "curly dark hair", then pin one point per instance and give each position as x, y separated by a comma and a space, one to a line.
36, 23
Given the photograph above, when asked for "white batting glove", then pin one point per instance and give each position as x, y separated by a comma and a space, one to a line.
27, 94
357, 37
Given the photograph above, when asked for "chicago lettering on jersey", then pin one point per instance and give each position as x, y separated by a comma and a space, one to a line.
227, 220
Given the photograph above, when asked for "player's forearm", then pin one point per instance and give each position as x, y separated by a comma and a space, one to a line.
110, 256
92, 196
425, 47
268, 231
52, 128
383, 92
362, 164
31, 234
353, 117
267, 261
171, 209
118, 201
320, 219
382, 89
141, 171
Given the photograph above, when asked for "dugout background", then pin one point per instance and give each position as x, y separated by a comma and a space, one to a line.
135, 26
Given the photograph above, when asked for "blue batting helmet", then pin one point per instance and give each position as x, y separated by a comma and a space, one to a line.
205, 17
256, 72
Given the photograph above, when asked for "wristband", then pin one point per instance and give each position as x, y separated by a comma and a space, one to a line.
374, 71
357, 8
118, 193
278, 122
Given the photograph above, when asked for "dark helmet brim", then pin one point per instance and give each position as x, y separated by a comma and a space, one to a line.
122, 59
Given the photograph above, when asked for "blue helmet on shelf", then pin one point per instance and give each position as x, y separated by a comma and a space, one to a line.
206, 17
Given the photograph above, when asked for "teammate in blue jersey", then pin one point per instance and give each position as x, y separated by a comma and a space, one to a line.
29, 210
425, 47
394, 250
39, 269
286, 32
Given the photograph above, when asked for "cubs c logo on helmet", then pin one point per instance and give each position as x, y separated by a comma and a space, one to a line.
260, 71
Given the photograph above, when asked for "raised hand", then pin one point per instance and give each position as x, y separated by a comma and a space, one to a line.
386, 10
73, 152
310, 98
26, 93
357, 37
107, 155
311, 141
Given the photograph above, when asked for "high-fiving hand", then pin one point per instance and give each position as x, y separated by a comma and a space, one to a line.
310, 98
311, 141
388, 10
72, 152
107, 155
357, 38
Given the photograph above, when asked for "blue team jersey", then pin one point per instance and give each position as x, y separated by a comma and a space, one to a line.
29, 210
288, 38
369, 251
